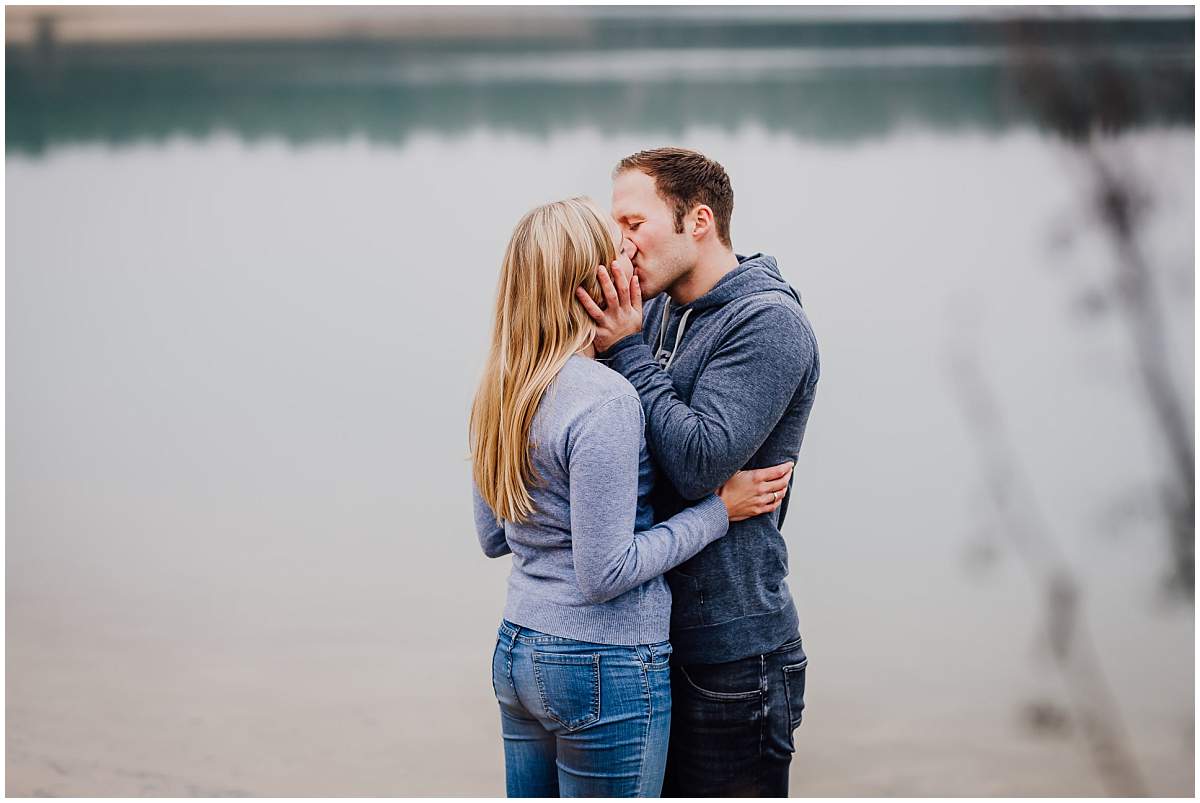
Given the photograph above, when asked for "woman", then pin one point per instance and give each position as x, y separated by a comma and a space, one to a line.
581, 668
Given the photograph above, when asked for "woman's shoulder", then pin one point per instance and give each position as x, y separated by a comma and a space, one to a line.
587, 404
596, 408
589, 397
594, 384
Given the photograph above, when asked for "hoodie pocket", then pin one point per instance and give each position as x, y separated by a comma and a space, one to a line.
687, 601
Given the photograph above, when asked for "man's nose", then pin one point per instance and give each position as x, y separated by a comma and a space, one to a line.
628, 248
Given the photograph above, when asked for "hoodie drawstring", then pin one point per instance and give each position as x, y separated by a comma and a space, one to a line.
662, 331
660, 353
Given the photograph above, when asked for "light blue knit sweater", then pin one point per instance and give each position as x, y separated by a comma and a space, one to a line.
588, 565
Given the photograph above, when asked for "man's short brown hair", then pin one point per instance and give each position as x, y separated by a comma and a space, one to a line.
683, 179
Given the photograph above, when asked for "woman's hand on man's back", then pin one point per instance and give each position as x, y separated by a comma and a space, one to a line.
752, 493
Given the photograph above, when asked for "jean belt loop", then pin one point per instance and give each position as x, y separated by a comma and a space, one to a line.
644, 653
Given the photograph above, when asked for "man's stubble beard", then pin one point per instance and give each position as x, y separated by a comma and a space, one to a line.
679, 271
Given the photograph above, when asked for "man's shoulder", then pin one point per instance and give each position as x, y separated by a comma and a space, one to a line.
768, 310
770, 325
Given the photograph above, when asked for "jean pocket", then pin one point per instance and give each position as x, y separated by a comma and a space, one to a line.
712, 702
495, 667
793, 689
655, 657
569, 687
719, 686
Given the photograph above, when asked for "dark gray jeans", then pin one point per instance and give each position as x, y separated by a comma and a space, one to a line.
732, 725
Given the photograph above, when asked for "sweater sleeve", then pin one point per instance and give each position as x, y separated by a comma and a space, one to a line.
609, 557
489, 530
740, 395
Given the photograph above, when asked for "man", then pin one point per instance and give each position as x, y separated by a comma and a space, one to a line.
726, 367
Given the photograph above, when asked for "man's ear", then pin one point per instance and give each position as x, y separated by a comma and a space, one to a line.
703, 221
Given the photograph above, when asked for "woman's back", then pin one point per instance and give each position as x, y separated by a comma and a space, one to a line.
582, 402
587, 564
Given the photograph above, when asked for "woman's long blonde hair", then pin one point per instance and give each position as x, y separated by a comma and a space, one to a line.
539, 325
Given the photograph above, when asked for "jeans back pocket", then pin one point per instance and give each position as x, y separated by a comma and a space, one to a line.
569, 687
793, 689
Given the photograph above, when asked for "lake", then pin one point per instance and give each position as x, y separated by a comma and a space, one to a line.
249, 292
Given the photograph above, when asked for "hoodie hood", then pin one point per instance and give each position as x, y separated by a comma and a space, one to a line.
754, 274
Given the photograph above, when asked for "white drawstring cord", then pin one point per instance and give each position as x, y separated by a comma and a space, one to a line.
660, 353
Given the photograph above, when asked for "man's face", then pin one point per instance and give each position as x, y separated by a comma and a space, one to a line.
659, 254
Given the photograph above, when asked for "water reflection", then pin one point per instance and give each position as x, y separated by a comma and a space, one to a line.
830, 82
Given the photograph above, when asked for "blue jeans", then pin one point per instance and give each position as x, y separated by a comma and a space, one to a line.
581, 719
732, 732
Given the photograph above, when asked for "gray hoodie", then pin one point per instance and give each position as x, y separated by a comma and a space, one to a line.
727, 383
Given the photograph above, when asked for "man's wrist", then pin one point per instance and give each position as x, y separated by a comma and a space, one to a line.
624, 343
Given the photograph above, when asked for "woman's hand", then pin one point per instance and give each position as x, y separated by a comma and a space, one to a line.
752, 493
622, 292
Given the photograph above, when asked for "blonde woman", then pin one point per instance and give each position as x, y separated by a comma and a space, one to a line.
562, 480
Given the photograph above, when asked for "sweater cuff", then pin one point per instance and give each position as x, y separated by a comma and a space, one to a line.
628, 353
714, 515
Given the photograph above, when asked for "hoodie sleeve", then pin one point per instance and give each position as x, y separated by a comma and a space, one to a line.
740, 395
609, 557
489, 530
